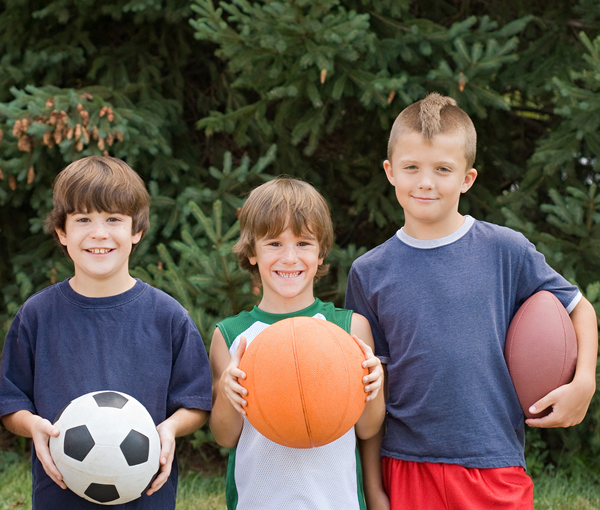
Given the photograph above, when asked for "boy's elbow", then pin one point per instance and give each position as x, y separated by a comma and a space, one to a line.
369, 424
367, 432
223, 435
225, 440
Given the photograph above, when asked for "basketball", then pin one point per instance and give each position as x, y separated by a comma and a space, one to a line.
304, 381
540, 349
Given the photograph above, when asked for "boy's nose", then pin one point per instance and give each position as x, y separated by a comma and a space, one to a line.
98, 231
289, 254
426, 182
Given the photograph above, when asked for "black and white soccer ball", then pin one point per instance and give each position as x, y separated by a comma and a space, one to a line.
108, 448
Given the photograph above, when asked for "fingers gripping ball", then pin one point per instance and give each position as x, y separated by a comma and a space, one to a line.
540, 349
304, 381
108, 448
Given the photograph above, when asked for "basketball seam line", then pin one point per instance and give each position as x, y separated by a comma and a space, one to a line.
336, 340
300, 388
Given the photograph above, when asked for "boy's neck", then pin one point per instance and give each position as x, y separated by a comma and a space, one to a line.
282, 305
89, 287
427, 232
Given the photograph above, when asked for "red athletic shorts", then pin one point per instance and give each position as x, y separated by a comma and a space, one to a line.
427, 486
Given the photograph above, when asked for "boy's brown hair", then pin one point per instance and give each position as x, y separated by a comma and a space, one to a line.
432, 116
100, 184
276, 205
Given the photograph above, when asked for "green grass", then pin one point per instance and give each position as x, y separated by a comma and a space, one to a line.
199, 492
559, 493
207, 492
195, 491
15, 482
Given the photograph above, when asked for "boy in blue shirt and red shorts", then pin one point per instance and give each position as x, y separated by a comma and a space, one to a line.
102, 330
439, 296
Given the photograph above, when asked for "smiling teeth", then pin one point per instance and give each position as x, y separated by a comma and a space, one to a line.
289, 275
99, 250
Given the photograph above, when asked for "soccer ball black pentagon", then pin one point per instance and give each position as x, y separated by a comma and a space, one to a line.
108, 448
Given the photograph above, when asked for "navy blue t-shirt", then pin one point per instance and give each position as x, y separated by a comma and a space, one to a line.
62, 345
439, 311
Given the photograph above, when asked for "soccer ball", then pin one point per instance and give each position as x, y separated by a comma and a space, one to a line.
108, 448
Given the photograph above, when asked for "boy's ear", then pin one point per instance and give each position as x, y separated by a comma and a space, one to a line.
62, 236
389, 172
252, 260
136, 237
470, 177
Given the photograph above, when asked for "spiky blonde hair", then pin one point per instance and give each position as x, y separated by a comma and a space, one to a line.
434, 115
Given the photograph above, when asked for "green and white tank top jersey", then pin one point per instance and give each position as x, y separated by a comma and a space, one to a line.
263, 475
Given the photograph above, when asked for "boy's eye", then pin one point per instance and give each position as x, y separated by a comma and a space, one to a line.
444, 169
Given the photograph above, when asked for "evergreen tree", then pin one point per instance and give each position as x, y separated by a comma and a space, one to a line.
207, 99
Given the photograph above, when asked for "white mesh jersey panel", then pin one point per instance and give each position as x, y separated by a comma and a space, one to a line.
322, 478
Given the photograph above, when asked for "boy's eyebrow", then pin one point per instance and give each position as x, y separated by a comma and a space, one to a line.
303, 235
440, 162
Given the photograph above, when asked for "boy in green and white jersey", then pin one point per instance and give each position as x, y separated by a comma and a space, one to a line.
286, 233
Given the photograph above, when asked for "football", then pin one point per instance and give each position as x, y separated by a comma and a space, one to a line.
540, 349
304, 381
108, 448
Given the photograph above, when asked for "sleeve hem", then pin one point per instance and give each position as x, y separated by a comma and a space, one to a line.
574, 302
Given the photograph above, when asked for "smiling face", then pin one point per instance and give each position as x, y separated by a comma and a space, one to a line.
99, 243
429, 177
287, 264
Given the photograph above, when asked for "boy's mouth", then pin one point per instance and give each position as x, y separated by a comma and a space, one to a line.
99, 251
288, 275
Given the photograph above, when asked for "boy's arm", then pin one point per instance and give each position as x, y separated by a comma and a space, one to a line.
372, 417
181, 423
375, 494
226, 419
26, 424
571, 401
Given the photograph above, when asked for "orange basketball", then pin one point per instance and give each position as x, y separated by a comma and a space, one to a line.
304, 381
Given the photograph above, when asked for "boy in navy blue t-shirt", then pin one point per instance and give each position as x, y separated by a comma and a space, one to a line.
439, 296
102, 330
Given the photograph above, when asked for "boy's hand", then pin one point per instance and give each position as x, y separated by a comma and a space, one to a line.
41, 430
569, 405
570, 402
229, 385
181, 423
166, 433
374, 380
378, 501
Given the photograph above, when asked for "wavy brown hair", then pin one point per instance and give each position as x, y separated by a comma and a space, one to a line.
98, 184
273, 207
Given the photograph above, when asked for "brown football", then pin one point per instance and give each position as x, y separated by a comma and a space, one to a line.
540, 349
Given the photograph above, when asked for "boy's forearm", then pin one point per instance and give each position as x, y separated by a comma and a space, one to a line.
585, 324
225, 422
20, 422
186, 421
371, 467
372, 417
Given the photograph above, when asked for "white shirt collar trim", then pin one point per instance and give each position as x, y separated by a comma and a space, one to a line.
427, 244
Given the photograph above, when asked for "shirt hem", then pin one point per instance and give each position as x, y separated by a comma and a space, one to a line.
468, 462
